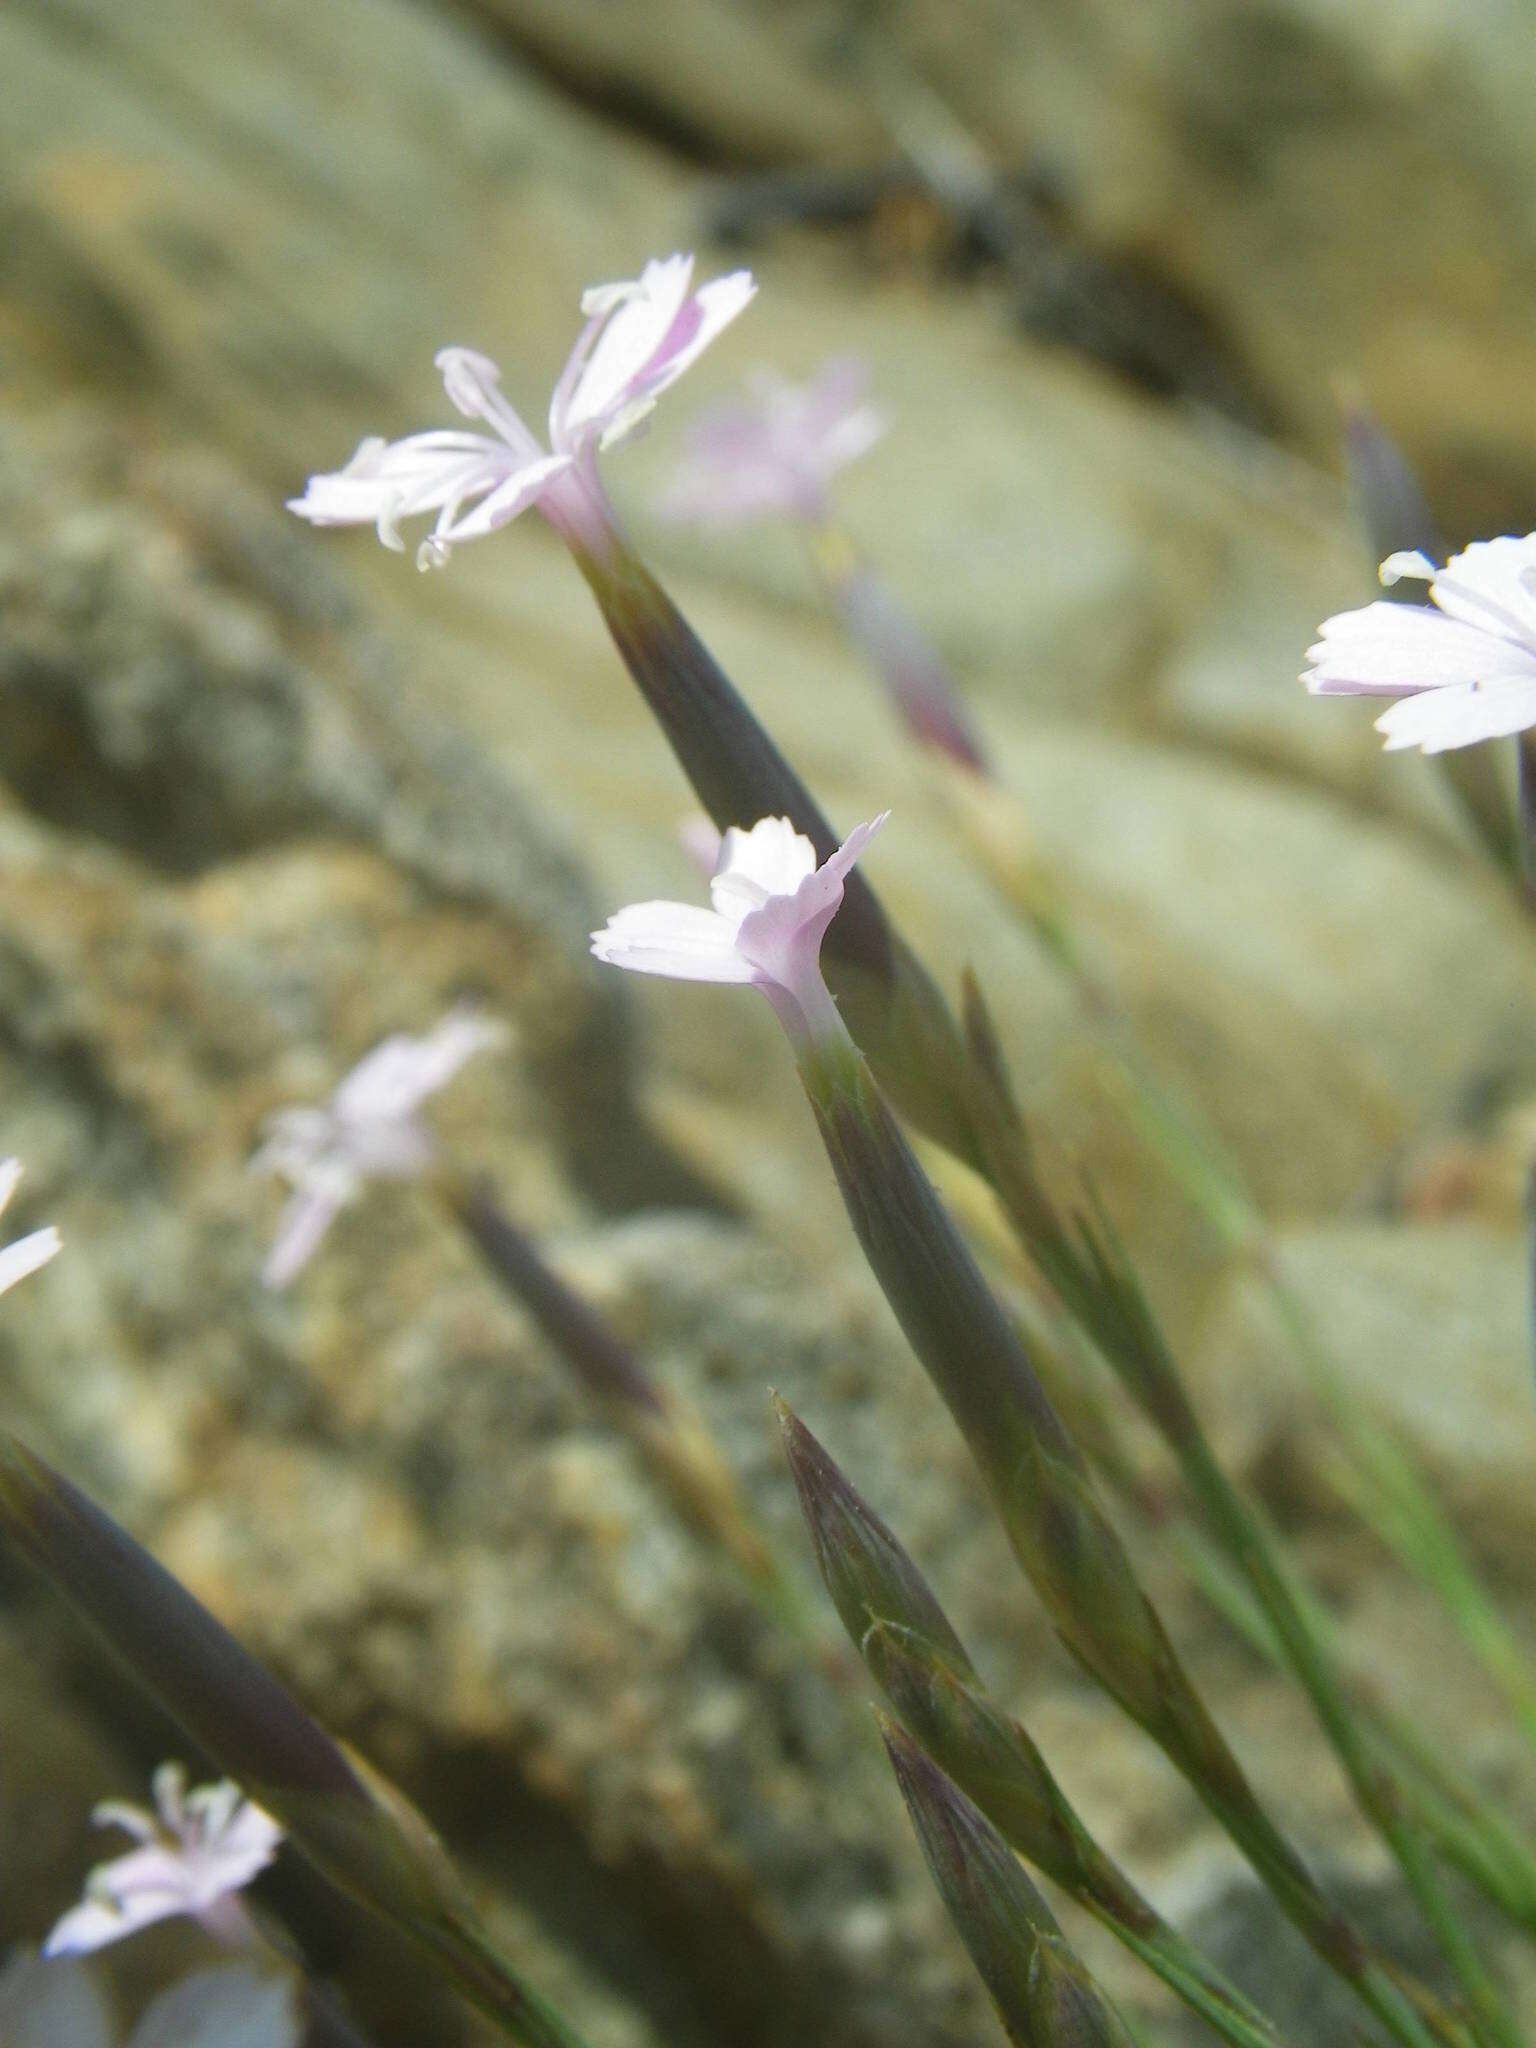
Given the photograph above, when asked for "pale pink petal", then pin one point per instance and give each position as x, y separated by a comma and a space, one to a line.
785, 935
638, 319
1461, 714
1385, 649
399, 1074
169, 1789
712, 309
677, 939
772, 859
96, 1922
454, 1041
247, 1842
775, 453
385, 483
383, 1083
499, 507
307, 1215
148, 1885
639, 340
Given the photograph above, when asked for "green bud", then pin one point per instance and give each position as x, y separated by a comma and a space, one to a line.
867, 1572
1043, 1995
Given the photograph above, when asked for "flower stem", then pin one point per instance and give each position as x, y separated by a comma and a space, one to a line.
673, 1439
1064, 1541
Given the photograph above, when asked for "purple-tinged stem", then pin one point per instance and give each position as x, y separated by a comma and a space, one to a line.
915, 676
673, 1439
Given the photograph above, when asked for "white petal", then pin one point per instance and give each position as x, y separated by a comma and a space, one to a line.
92, 1925
677, 939
1492, 584
384, 484
136, 1891
1386, 649
772, 859
1437, 720
26, 1255
10, 1174
168, 1787
1410, 563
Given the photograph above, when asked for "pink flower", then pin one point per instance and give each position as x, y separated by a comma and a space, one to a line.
369, 1130
774, 453
27, 1253
194, 1853
638, 338
1464, 669
771, 909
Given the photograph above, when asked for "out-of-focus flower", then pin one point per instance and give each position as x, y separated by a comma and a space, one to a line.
27, 1253
369, 1130
639, 337
773, 453
771, 909
55, 2004
195, 1852
1463, 667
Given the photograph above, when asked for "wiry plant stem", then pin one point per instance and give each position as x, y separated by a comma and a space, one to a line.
1058, 1529
671, 1437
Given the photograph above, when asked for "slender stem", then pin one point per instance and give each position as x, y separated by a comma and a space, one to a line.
486, 1982
671, 1436
1389, 1494
1059, 1532
1153, 1377
1526, 755
1455, 1814
1375, 1786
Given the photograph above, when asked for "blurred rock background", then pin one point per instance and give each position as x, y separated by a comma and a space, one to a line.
266, 795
